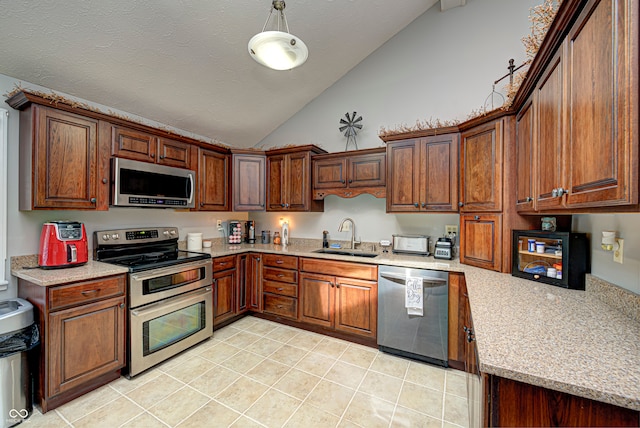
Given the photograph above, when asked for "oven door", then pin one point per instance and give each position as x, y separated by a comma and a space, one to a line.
166, 328
157, 284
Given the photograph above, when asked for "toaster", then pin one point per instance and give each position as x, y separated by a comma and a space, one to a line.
63, 244
411, 244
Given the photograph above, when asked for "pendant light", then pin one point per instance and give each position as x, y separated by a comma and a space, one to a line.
276, 49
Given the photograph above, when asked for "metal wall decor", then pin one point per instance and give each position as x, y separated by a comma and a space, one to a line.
350, 127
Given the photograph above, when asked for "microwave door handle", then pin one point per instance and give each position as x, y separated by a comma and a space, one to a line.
191, 191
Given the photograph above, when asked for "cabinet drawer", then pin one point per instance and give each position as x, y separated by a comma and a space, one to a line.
281, 305
224, 263
281, 288
84, 292
343, 269
276, 260
281, 275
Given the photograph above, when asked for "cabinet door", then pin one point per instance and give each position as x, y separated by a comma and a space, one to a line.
276, 184
317, 298
330, 174
549, 137
481, 168
439, 173
132, 144
248, 182
403, 176
602, 103
254, 282
224, 296
457, 321
367, 170
524, 157
298, 182
174, 153
242, 282
481, 240
356, 306
213, 181
84, 343
66, 161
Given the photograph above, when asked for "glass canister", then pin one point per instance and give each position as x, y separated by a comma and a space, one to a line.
276, 238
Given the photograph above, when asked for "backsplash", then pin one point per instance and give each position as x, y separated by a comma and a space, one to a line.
620, 299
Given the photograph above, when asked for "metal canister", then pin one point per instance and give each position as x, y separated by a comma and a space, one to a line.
266, 237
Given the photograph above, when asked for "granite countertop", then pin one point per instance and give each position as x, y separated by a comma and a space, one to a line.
22, 267
565, 340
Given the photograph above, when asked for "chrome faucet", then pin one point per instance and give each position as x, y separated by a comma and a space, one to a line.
353, 231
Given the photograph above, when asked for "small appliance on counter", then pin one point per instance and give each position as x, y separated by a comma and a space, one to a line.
411, 244
444, 249
63, 244
250, 232
235, 232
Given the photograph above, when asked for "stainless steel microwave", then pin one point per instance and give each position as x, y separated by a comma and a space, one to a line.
142, 184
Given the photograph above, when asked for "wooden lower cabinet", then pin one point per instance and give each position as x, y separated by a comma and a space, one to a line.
458, 307
343, 303
225, 305
82, 328
253, 282
280, 285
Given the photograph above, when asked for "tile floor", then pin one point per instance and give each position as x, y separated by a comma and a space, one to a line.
257, 373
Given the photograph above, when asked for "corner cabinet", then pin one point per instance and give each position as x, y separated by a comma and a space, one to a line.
422, 174
63, 161
214, 177
349, 174
248, 184
289, 179
82, 327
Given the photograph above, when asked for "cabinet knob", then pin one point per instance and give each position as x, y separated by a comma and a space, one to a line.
424, 205
331, 284
161, 156
93, 200
529, 199
350, 181
416, 205
460, 204
286, 205
202, 204
121, 305
282, 205
342, 181
477, 217
258, 259
561, 191
105, 181
554, 193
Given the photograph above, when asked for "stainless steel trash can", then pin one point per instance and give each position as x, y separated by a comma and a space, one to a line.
18, 335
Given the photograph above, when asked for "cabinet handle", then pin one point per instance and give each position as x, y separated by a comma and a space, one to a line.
460, 204
279, 262
476, 217
89, 292
280, 275
416, 205
279, 306
93, 200
105, 181
222, 263
279, 289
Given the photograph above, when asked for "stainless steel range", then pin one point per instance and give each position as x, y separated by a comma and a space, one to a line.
170, 297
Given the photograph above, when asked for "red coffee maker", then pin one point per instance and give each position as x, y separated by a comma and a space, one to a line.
63, 244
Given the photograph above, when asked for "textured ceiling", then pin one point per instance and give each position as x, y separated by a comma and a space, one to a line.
185, 63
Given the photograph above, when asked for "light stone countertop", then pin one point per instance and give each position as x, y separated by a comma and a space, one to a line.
21, 268
565, 340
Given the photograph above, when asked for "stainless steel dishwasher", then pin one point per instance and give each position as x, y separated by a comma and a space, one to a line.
420, 337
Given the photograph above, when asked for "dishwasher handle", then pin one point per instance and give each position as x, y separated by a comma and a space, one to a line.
403, 278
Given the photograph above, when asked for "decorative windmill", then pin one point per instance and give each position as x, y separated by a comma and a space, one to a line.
350, 127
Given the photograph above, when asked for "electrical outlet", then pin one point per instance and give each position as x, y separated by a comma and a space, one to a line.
618, 254
219, 224
451, 228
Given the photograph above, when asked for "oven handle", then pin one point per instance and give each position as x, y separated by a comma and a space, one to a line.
163, 306
154, 273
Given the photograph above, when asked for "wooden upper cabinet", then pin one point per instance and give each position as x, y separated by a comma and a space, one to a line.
481, 168
138, 145
349, 174
289, 179
422, 174
602, 105
62, 165
248, 183
524, 157
213, 181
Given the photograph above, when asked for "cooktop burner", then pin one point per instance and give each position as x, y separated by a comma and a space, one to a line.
142, 249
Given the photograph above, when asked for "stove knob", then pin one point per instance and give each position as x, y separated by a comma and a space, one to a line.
115, 236
173, 232
105, 237
166, 233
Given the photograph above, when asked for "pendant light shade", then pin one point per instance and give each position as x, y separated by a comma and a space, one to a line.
276, 49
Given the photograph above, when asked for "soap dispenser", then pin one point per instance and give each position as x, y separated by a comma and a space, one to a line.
285, 233
325, 239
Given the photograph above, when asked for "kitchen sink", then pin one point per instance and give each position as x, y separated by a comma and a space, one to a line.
355, 253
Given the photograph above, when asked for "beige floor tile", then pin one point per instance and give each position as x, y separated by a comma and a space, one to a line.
359, 356
155, 390
315, 364
81, 406
51, 419
273, 409
421, 399
390, 365
310, 416
242, 339
220, 352
297, 383
456, 410
346, 374
175, 360
288, 355
381, 386
114, 413
283, 334
426, 375
368, 411
245, 323
225, 332
214, 381
179, 405
144, 420
456, 385
212, 414
124, 385
268, 372
331, 347
446, 424
264, 346
346, 423
245, 422
190, 369
241, 394
263, 328
330, 397
403, 417
305, 340
243, 361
